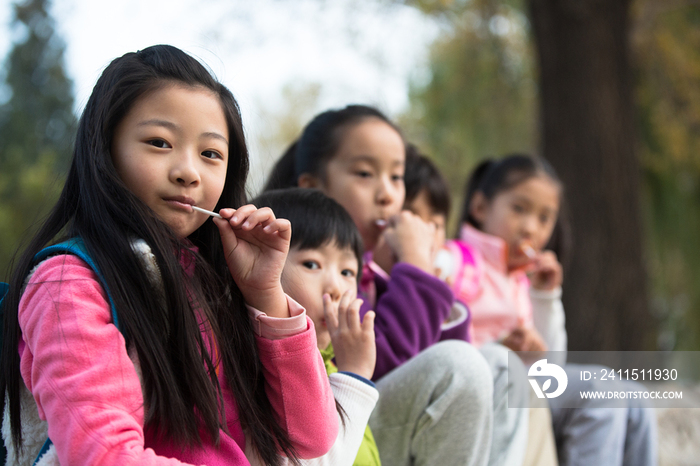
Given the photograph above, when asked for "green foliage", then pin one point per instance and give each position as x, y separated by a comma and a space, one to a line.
666, 40
34, 189
36, 127
300, 102
481, 98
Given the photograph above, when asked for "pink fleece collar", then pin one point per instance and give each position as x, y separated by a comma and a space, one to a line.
493, 249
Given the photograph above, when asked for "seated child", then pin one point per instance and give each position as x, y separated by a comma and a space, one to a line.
513, 288
321, 274
428, 196
436, 397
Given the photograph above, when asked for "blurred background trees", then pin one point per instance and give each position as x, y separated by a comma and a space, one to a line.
608, 91
36, 126
587, 133
632, 173
665, 40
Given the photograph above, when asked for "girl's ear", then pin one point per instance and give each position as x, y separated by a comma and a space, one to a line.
478, 207
307, 180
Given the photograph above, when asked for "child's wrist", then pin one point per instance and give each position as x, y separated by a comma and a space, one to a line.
360, 369
359, 377
273, 302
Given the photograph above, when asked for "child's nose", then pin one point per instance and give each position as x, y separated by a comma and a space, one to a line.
385, 192
332, 287
184, 170
530, 226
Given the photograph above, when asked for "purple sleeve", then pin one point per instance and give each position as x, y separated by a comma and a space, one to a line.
410, 310
458, 329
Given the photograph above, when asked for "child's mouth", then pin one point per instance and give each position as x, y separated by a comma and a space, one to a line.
181, 202
381, 223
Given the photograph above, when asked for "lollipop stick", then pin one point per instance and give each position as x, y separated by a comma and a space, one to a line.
204, 211
528, 251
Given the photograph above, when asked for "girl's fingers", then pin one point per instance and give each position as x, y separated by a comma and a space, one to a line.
240, 215
330, 313
227, 213
228, 237
250, 218
354, 315
392, 221
281, 226
368, 322
343, 310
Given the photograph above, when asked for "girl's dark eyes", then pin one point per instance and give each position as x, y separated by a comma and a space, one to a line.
311, 265
518, 208
363, 174
397, 178
348, 273
211, 154
159, 143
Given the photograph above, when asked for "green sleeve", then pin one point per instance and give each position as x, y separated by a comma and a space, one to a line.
368, 454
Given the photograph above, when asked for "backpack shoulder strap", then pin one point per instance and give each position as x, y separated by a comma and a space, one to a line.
76, 246
3, 291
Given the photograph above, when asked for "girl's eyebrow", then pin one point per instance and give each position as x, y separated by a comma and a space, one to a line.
521, 198
373, 159
172, 126
157, 122
363, 158
211, 134
528, 201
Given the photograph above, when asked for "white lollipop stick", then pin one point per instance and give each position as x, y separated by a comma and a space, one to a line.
204, 211
528, 250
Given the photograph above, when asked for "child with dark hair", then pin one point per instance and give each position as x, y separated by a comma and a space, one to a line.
513, 287
357, 156
426, 188
321, 273
191, 353
428, 196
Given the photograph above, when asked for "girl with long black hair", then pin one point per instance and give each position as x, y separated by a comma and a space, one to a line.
211, 363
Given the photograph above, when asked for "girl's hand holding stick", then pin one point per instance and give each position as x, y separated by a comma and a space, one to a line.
546, 273
256, 245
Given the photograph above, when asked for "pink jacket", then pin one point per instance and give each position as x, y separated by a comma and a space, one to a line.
75, 364
499, 300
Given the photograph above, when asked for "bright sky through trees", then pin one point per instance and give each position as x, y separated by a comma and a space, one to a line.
358, 50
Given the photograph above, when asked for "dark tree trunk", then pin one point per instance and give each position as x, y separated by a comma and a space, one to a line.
587, 133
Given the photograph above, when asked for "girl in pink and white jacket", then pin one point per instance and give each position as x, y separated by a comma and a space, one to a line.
511, 281
212, 364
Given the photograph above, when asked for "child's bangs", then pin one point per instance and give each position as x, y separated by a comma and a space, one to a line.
316, 219
333, 233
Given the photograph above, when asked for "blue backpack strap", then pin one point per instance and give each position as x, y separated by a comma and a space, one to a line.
4, 287
76, 246
43, 450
